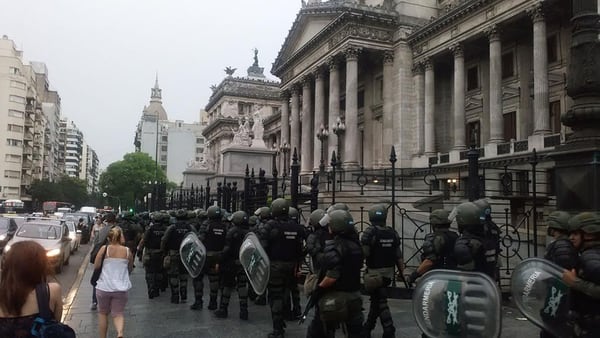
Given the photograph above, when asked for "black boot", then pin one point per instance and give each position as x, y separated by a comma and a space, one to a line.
260, 300
244, 314
212, 305
221, 313
196, 306
175, 299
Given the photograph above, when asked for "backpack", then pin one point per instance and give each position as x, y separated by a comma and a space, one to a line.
44, 325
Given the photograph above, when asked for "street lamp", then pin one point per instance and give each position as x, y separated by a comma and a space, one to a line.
285, 149
105, 195
339, 128
322, 135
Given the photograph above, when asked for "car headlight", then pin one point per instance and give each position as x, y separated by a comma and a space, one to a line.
2, 237
7, 247
53, 252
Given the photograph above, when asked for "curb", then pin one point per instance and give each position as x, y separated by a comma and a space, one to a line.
68, 301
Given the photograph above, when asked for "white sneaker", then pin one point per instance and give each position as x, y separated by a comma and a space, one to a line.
94, 306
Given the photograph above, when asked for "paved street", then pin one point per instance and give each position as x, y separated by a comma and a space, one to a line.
159, 318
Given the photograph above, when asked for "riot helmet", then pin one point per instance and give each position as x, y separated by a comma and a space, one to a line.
484, 206
191, 214
378, 214
280, 208
214, 212
558, 220
252, 220
587, 222
263, 213
439, 218
338, 206
340, 222
293, 214
239, 218
468, 217
315, 217
181, 214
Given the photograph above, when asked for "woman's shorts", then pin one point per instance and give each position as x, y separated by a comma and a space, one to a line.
111, 302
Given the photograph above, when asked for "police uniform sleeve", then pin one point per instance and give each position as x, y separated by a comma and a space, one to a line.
587, 287
313, 246
366, 240
146, 237
464, 256
332, 258
265, 234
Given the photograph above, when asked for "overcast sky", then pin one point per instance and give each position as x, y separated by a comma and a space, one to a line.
102, 55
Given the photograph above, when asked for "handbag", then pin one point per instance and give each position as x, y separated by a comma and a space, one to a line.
45, 325
97, 272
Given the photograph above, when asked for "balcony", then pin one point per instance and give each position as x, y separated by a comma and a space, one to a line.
27, 150
27, 164
28, 136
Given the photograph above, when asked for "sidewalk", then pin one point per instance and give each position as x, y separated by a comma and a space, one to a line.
159, 318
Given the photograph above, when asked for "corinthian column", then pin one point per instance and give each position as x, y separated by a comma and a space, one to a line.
420, 105
295, 120
496, 118
459, 98
540, 71
388, 114
429, 109
285, 118
306, 160
334, 105
319, 114
351, 148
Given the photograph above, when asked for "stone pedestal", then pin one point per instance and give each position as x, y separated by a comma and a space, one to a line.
196, 177
235, 160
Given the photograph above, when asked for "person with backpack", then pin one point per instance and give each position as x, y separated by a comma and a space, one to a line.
26, 263
100, 239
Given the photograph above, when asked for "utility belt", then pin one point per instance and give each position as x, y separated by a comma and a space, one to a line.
338, 306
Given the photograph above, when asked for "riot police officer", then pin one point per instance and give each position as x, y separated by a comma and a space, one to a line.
152, 255
560, 251
291, 298
282, 239
264, 215
212, 234
231, 270
491, 237
342, 262
469, 250
178, 276
438, 246
585, 282
132, 231
315, 241
381, 247
198, 282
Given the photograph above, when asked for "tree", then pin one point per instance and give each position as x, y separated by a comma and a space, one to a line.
67, 189
128, 179
74, 190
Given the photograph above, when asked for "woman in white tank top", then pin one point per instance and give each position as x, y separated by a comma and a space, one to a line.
114, 281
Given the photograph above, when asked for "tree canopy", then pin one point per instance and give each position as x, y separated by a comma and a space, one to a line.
66, 189
128, 179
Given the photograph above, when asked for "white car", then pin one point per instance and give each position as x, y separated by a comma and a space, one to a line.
53, 235
74, 235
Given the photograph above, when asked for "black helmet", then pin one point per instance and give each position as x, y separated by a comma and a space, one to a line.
378, 214
191, 214
468, 216
293, 214
214, 212
341, 222
263, 213
181, 214
558, 220
280, 208
315, 217
439, 218
239, 218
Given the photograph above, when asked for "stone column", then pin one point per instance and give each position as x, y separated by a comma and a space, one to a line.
319, 117
388, 114
295, 120
419, 79
459, 98
351, 138
306, 159
334, 106
541, 115
285, 118
496, 118
429, 109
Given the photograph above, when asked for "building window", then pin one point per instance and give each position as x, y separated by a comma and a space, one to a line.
274, 110
163, 148
17, 84
199, 140
14, 143
164, 167
163, 158
12, 174
12, 158
15, 127
199, 150
508, 65
555, 125
15, 113
14, 70
552, 45
473, 78
17, 99
473, 134
165, 139
510, 126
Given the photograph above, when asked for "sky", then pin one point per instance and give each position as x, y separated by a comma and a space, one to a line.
103, 55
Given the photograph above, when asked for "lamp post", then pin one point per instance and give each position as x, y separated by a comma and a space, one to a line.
322, 135
105, 195
338, 128
285, 149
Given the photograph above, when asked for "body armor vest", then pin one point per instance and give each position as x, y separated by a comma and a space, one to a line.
351, 262
383, 248
287, 245
155, 234
445, 253
180, 229
215, 236
475, 246
562, 252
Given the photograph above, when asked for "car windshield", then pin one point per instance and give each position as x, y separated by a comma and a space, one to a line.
41, 231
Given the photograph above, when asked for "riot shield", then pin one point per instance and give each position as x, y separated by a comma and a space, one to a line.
541, 295
193, 254
457, 304
256, 263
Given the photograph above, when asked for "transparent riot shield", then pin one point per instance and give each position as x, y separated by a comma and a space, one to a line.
193, 254
256, 264
457, 304
541, 295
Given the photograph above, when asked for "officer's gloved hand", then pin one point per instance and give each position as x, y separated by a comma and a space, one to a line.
412, 278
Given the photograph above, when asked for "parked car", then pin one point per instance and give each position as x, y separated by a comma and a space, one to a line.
52, 234
74, 235
8, 227
85, 227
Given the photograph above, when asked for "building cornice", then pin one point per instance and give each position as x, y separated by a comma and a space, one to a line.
219, 123
246, 88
